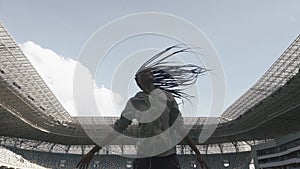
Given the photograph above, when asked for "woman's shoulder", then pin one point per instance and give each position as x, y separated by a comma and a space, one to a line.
141, 95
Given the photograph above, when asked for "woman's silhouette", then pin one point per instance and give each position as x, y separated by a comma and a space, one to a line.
157, 112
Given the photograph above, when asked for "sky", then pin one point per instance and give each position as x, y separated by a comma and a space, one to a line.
248, 36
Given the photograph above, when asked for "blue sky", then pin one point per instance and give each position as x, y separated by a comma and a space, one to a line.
248, 35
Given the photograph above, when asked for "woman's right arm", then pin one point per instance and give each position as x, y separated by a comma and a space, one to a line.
119, 126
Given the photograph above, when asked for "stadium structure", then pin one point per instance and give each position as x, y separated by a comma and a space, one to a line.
35, 127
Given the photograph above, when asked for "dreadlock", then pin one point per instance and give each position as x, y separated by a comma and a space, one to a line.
172, 77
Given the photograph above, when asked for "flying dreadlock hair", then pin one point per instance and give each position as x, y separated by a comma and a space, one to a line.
169, 76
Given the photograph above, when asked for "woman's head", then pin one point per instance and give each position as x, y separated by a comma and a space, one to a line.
144, 79
171, 77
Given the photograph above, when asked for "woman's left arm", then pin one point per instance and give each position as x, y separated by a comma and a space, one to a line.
203, 163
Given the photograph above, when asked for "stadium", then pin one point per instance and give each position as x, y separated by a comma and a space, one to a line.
259, 130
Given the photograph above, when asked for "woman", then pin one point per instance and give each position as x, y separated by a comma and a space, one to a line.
157, 112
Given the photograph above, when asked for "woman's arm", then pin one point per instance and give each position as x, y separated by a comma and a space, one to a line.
85, 161
190, 142
199, 157
119, 126
177, 121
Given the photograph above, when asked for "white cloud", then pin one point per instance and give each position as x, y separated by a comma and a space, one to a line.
58, 73
292, 19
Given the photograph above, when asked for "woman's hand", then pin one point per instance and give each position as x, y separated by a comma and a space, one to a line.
85, 161
203, 164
